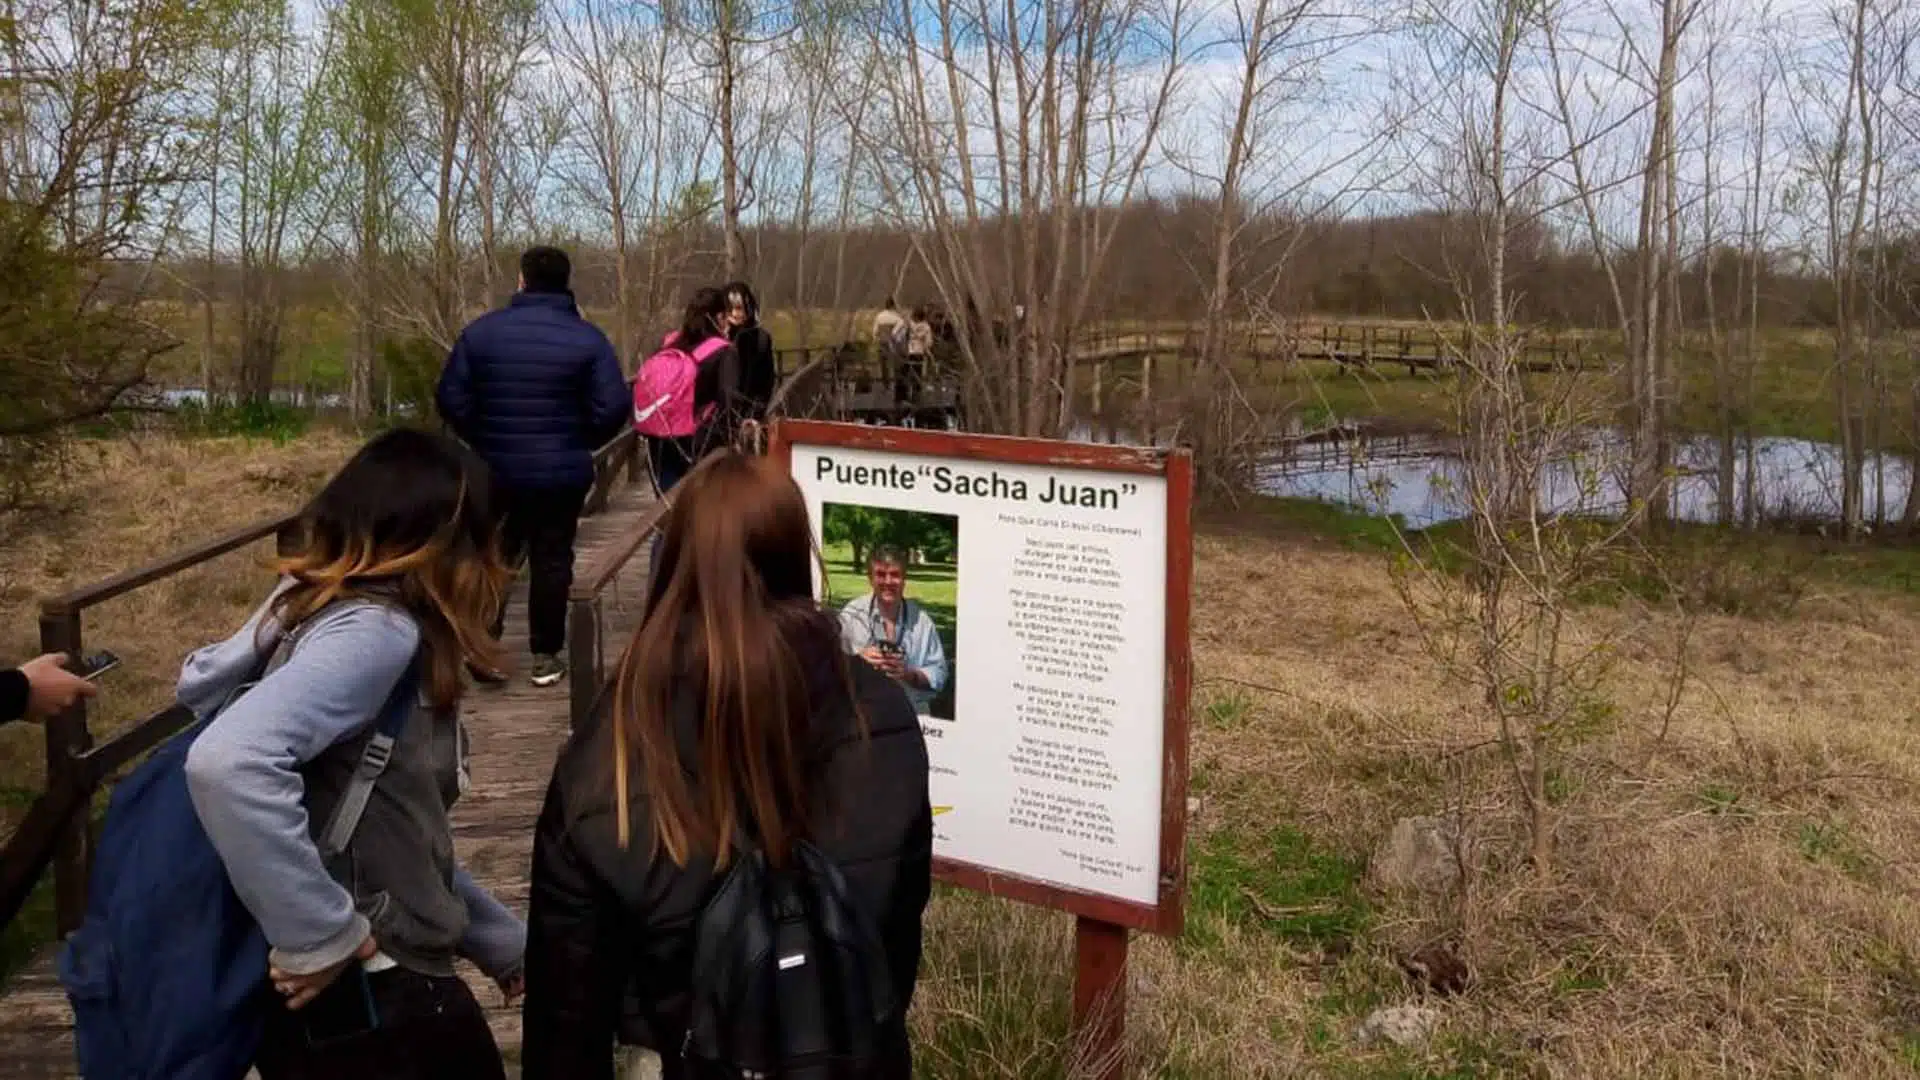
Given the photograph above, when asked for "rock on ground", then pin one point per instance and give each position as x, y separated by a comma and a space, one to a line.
1399, 1025
1420, 854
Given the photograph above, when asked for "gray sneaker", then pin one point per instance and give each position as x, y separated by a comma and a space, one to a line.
547, 670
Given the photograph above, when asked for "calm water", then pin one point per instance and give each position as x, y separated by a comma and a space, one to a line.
1420, 478
297, 397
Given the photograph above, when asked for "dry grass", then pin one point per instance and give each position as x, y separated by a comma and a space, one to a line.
1733, 899
125, 503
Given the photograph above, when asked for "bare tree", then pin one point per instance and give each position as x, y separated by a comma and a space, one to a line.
1279, 51
1503, 628
368, 113
1841, 143
504, 31
733, 40
613, 59
277, 144
1020, 135
93, 182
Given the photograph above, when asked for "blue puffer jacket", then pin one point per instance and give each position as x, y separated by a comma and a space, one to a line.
535, 389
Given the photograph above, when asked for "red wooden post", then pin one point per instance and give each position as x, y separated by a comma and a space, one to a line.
1100, 998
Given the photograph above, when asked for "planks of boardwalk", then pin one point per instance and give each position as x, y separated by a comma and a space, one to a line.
516, 732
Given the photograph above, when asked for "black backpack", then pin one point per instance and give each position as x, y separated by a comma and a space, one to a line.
789, 976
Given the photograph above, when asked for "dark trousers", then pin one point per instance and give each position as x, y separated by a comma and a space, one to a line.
428, 1029
670, 459
907, 378
538, 527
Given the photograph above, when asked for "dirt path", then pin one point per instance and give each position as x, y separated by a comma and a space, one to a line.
516, 731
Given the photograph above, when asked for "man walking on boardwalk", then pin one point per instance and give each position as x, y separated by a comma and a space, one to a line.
535, 389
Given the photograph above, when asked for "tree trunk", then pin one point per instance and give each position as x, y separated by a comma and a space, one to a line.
729, 151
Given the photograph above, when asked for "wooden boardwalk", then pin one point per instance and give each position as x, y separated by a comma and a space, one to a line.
516, 732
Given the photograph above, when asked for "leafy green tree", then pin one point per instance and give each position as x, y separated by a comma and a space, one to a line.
90, 159
925, 537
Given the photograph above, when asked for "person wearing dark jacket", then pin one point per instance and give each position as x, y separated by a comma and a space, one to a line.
718, 394
40, 688
759, 369
536, 388
735, 714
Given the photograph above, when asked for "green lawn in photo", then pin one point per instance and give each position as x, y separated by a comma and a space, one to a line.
934, 586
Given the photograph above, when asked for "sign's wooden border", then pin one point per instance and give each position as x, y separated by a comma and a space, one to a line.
1168, 916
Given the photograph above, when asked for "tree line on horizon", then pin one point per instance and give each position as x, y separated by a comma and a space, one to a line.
1683, 175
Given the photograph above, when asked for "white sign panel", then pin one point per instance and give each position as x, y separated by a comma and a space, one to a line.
1046, 588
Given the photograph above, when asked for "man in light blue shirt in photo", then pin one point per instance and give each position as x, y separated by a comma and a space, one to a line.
894, 634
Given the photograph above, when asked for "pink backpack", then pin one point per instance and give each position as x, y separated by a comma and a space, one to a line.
663, 388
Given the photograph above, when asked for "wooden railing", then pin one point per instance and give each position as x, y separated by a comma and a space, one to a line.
587, 673
56, 829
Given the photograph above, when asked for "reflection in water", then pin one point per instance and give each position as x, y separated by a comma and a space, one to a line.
1421, 479
295, 396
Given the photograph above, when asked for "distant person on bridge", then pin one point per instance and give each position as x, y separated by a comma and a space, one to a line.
356, 888
759, 369
886, 326
912, 370
688, 398
738, 740
536, 388
40, 688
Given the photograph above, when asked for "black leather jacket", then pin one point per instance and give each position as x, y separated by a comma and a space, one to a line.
610, 932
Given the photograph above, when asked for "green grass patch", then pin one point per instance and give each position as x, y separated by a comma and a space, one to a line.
1281, 882
1352, 529
1834, 843
1724, 800
1759, 573
279, 423
996, 986
1228, 710
30, 931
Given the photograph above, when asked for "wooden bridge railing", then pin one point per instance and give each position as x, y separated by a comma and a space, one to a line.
587, 672
56, 831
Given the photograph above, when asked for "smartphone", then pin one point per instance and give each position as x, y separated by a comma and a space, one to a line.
888, 648
94, 665
342, 1011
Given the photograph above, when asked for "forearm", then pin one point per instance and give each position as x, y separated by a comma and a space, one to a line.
496, 939
244, 776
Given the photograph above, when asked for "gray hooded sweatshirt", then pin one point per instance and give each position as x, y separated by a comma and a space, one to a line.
286, 747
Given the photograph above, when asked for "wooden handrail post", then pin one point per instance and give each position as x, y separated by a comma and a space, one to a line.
583, 655
67, 738
635, 459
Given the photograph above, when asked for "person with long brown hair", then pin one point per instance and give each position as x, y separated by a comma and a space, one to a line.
377, 614
738, 733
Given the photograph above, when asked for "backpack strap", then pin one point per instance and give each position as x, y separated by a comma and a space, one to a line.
709, 346
374, 757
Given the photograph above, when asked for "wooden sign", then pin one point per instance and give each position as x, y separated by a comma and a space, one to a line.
1033, 598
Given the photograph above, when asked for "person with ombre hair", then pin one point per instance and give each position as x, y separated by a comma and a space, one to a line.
382, 608
738, 730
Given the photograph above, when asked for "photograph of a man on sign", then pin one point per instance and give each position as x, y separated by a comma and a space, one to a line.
894, 633
894, 575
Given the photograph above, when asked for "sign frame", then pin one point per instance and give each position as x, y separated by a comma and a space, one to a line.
1101, 917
